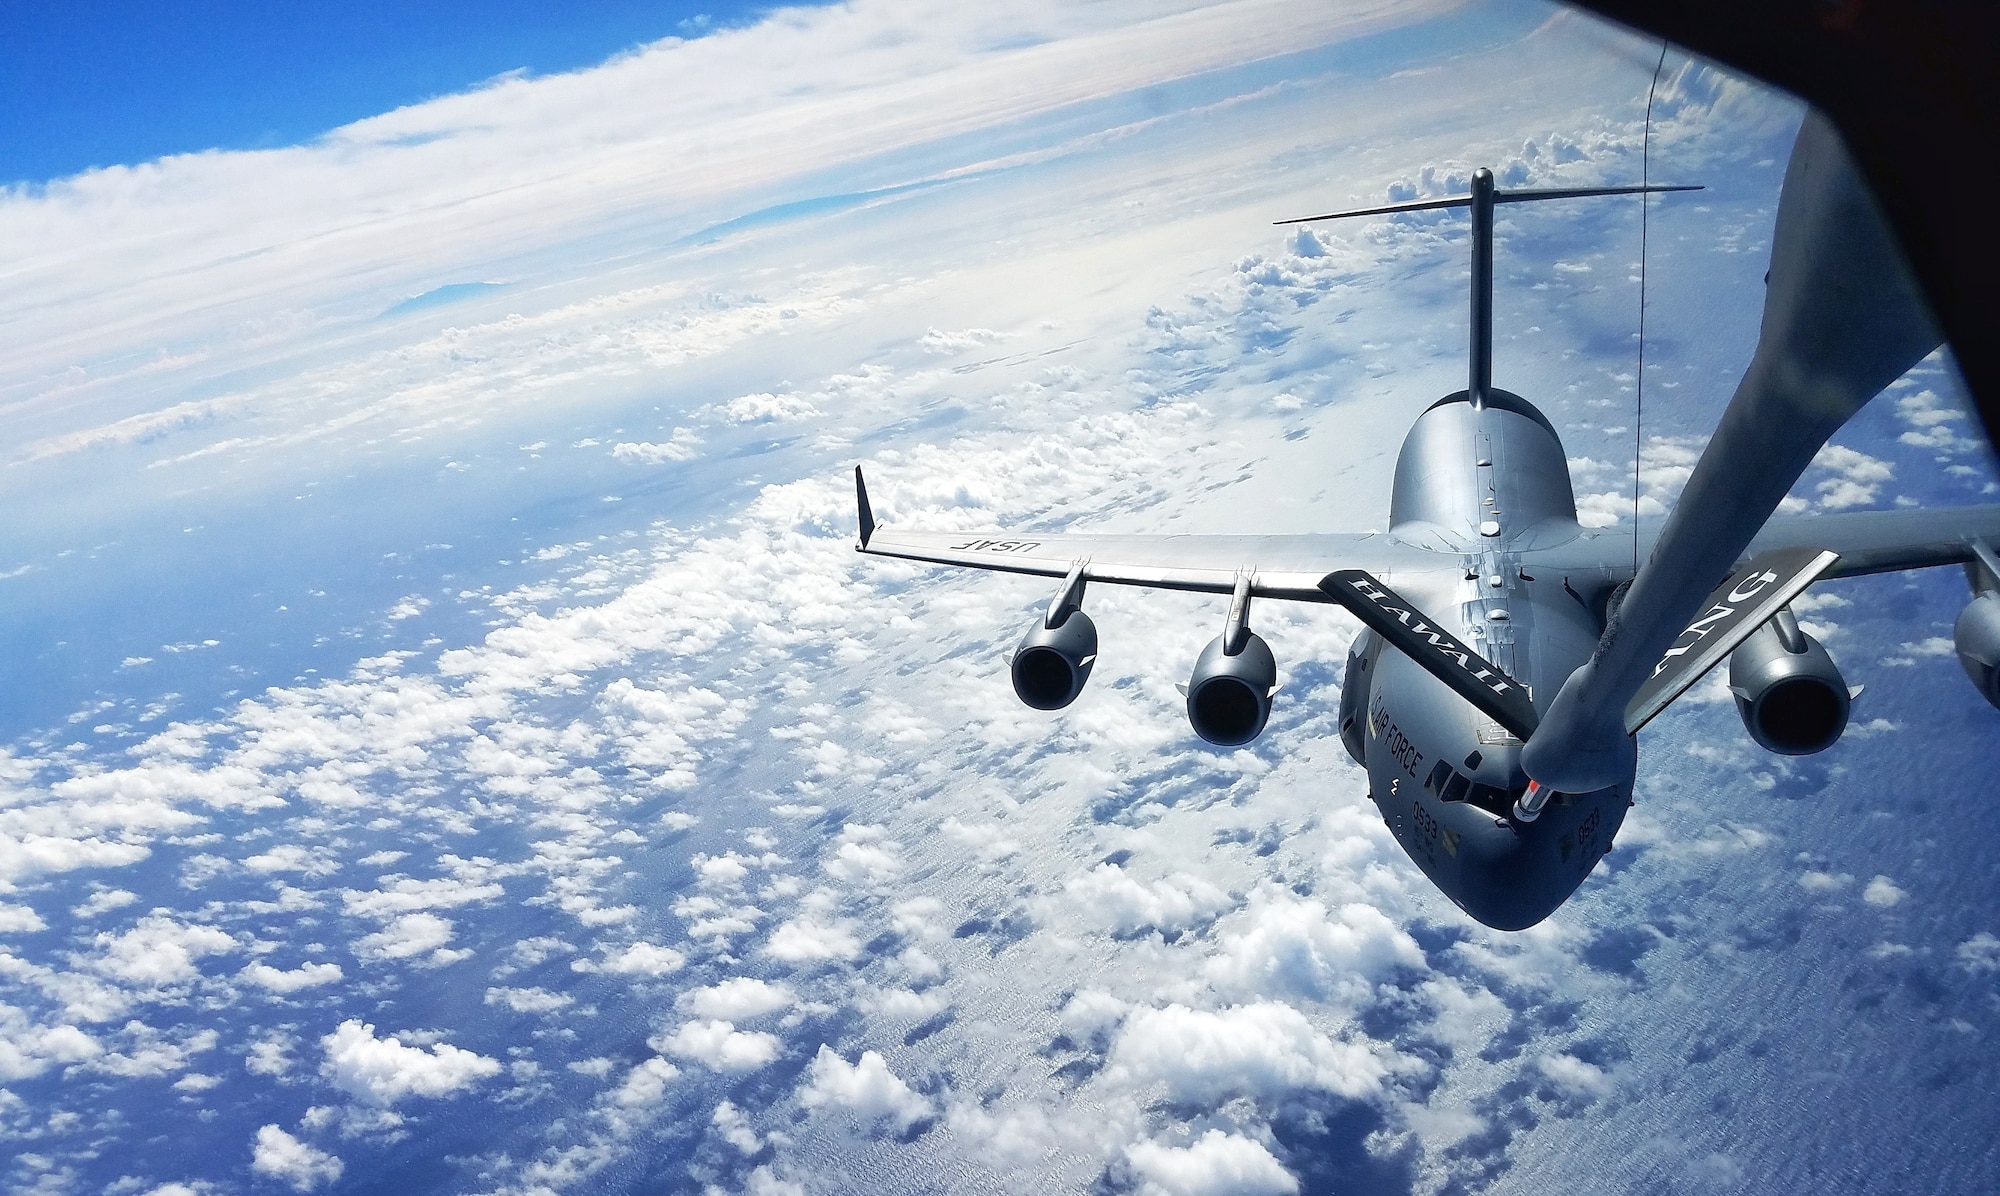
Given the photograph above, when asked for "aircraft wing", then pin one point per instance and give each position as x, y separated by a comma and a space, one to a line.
1885, 541
1290, 567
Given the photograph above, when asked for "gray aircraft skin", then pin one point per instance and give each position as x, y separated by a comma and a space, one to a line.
1497, 626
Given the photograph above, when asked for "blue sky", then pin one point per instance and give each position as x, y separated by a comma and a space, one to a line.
126, 81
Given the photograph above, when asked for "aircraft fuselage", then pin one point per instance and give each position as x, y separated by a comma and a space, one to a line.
1481, 484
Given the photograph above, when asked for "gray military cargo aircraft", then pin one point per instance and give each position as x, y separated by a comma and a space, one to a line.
1496, 691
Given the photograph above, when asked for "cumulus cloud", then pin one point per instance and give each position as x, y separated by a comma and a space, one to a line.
905, 1003
1286, 946
280, 1156
721, 1046
1931, 421
310, 975
1857, 477
401, 894
639, 959
408, 937
764, 1181
813, 940
935, 341
158, 952
715, 921
989, 841
735, 1128
738, 998
103, 901
288, 857
1605, 508
682, 447
270, 1056
1092, 1014
863, 854
1111, 897
1980, 953
382, 1071
1216, 1164
1883, 893
767, 409
27, 1049
529, 1000
1264, 1050
866, 1088
20, 919
1575, 1078
646, 1084
147, 1052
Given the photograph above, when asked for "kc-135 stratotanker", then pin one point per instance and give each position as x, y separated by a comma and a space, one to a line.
1510, 654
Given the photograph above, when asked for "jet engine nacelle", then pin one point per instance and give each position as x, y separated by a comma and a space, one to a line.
1229, 695
1052, 663
1792, 698
1976, 635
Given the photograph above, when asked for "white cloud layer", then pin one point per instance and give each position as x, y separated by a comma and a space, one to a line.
621, 754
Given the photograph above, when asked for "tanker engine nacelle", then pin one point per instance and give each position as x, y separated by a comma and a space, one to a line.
1229, 694
1792, 698
1052, 663
1976, 635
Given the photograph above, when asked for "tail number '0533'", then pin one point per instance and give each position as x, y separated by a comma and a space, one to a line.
996, 546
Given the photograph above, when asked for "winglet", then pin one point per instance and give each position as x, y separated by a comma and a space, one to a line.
861, 504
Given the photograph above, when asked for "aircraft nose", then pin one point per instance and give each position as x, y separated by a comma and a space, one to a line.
1513, 878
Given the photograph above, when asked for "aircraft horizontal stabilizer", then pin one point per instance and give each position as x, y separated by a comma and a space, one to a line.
1434, 649
1499, 197
1737, 608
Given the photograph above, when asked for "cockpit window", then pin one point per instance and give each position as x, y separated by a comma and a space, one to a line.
1492, 798
1454, 787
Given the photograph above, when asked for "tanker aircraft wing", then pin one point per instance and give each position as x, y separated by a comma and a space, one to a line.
1885, 541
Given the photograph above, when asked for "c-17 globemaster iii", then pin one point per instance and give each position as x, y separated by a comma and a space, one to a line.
1511, 654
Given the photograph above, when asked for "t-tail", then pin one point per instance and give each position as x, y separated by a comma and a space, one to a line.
1485, 196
